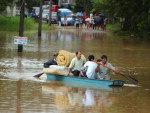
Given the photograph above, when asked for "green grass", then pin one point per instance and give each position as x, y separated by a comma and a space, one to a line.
12, 24
116, 28
47, 27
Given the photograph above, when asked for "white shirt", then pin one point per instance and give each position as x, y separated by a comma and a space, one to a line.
91, 15
89, 98
90, 73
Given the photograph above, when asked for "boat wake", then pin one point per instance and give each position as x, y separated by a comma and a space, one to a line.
27, 77
131, 85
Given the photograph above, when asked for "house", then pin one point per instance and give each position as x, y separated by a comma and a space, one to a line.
13, 10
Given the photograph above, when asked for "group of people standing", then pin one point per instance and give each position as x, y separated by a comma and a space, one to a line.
92, 22
90, 69
82, 20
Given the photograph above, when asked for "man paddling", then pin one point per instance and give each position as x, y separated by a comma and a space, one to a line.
103, 72
76, 64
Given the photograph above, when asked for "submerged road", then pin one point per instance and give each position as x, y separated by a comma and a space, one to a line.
20, 92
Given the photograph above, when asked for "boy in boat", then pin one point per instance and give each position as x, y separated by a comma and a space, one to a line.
91, 66
76, 64
103, 72
51, 61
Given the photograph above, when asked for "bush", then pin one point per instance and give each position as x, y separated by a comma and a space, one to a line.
12, 23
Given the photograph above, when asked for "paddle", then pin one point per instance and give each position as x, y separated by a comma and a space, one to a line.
38, 75
131, 79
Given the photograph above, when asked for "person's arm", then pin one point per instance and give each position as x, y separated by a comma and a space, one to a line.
84, 61
112, 67
48, 63
70, 67
97, 68
69, 70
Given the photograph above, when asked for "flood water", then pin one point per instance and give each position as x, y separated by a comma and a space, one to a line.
20, 92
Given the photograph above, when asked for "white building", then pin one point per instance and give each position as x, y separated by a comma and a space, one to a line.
13, 10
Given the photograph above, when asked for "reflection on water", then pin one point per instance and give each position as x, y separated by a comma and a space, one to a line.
78, 99
21, 92
88, 100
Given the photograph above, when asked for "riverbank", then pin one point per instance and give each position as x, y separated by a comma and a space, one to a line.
116, 28
12, 24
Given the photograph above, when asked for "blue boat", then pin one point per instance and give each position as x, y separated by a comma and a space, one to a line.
85, 80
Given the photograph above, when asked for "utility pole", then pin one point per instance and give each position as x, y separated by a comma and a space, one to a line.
21, 25
40, 20
50, 12
59, 2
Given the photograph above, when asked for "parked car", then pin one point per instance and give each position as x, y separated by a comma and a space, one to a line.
67, 13
35, 12
54, 7
54, 18
70, 20
45, 16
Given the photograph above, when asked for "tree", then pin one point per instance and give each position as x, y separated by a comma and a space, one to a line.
83, 5
32, 3
135, 12
4, 3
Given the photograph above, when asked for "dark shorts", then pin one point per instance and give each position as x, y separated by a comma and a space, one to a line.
76, 72
77, 25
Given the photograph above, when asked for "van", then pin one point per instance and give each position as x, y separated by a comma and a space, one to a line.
66, 13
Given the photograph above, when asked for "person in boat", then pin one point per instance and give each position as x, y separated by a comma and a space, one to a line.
90, 67
52, 61
76, 64
103, 72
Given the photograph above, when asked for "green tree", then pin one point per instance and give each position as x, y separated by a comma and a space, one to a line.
135, 12
4, 3
83, 5
32, 3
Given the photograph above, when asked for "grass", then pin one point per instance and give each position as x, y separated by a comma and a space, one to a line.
116, 28
47, 27
12, 24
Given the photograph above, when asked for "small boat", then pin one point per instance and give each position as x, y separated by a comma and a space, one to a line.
88, 81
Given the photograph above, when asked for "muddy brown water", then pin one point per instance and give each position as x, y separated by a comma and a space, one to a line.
21, 93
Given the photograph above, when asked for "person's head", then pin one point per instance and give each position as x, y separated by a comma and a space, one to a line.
104, 58
55, 55
91, 57
78, 54
99, 60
